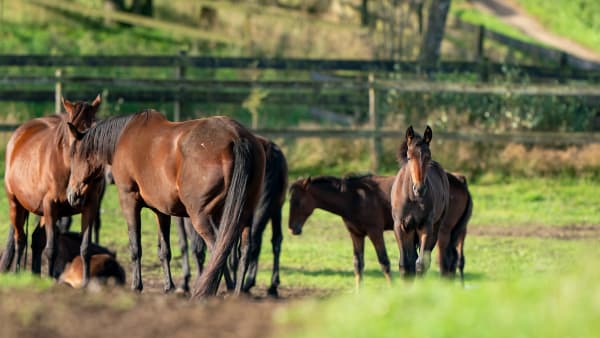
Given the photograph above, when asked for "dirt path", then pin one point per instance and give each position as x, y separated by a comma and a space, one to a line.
541, 231
511, 13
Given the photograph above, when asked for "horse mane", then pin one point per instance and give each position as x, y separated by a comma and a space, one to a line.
401, 155
101, 139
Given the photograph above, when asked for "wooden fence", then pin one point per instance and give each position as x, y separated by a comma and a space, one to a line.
337, 83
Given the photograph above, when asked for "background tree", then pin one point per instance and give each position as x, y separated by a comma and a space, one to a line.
436, 23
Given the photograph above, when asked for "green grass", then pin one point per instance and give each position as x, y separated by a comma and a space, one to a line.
492, 23
548, 201
577, 20
551, 305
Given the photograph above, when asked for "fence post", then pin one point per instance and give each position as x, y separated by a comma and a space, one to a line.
58, 91
563, 67
179, 75
480, 54
376, 146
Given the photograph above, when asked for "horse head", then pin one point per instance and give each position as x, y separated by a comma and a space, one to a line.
415, 156
81, 114
302, 205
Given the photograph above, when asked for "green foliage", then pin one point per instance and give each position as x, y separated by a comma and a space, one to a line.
490, 22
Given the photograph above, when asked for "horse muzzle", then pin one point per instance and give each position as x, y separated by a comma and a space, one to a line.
296, 230
75, 199
419, 190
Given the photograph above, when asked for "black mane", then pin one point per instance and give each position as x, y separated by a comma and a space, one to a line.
101, 139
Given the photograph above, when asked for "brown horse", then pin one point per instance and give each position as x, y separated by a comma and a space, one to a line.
373, 194
268, 208
36, 177
210, 167
420, 200
362, 201
454, 230
102, 268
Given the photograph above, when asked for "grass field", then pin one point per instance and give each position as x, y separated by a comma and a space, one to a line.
526, 286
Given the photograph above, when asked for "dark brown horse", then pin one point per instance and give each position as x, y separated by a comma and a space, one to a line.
36, 177
202, 169
362, 201
268, 208
454, 230
420, 200
373, 194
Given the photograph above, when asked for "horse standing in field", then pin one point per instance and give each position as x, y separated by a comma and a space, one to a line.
198, 169
364, 204
36, 177
420, 201
362, 201
269, 207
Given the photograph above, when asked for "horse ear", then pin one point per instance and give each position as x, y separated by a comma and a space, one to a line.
306, 182
410, 133
97, 101
76, 133
68, 105
427, 135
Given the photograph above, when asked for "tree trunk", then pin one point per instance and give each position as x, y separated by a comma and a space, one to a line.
436, 23
142, 7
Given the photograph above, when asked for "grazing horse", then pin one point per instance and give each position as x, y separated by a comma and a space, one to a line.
36, 177
202, 169
269, 207
362, 201
420, 201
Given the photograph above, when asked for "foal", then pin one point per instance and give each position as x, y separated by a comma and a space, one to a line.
362, 201
420, 200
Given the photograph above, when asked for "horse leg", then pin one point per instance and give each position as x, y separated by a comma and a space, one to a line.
164, 249
460, 259
276, 239
445, 254
49, 223
258, 227
382, 257
18, 215
96, 226
38, 240
242, 268
131, 211
203, 227
407, 249
197, 246
358, 246
183, 246
88, 217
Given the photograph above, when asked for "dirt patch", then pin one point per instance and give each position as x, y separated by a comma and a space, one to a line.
114, 312
564, 232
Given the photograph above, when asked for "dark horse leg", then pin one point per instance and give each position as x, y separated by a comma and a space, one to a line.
382, 257
183, 246
408, 251
358, 246
260, 223
427, 240
49, 222
38, 240
164, 249
446, 252
276, 239
197, 246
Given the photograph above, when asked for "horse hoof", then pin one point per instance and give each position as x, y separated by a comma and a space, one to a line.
272, 292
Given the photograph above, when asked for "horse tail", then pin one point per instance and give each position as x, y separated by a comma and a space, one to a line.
460, 230
229, 226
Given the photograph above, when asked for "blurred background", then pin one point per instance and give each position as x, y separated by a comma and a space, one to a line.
510, 88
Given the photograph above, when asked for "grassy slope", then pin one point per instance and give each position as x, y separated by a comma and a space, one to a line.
577, 20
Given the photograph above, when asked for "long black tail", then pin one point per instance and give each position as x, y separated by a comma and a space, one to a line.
9, 250
229, 227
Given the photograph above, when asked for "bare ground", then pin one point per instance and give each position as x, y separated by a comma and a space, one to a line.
118, 312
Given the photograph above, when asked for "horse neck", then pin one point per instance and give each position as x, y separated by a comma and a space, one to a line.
330, 199
407, 183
